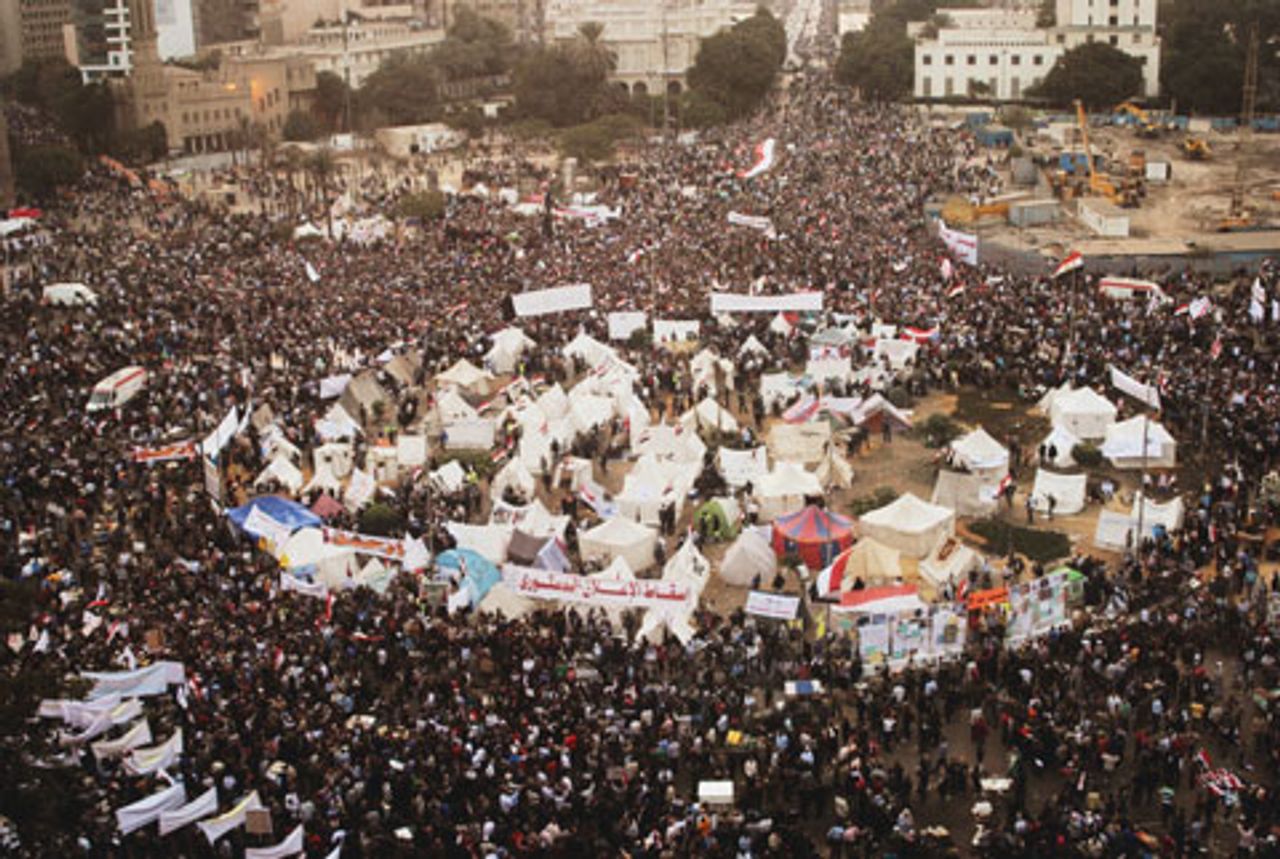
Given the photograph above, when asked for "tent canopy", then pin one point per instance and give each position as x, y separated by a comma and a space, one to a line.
709, 415
717, 523
1083, 411
1125, 448
619, 537
867, 561
1058, 446
816, 535
288, 513
466, 375
1068, 491
912, 526
749, 557
978, 451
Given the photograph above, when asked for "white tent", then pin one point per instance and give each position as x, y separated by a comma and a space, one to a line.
588, 411
591, 351
1169, 515
665, 442
752, 346
338, 457
868, 560
619, 537
516, 477
376, 576
337, 423
488, 541
69, 295
949, 564
967, 494
533, 519
982, 455
805, 443
1068, 491
913, 526
411, 450
784, 489
324, 480
1083, 412
449, 478
554, 402
688, 567
824, 369
572, 473
749, 556
834, 471
652, 484
709, 415
463, 374
706, 366
780, 325
508, 345
452, 408
503, 601
740, 467
306, 550
282, 472
470, 435
668, 332
1062, 442
1124, 445
779, 388
276, 446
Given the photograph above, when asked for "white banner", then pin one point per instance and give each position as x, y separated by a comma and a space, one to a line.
776, 606
292, 584
152, 680
624, 323
963, 246
216, 827
570, 587
155, 758
290, 846
333, 386
199, 808
225, 431
148, 809
1149, 395
797, 302
756, 222
765, 156
558, 299
359, 490
675, 330
138, 735
367, 544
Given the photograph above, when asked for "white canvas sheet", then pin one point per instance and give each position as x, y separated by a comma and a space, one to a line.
557, 299
798, 302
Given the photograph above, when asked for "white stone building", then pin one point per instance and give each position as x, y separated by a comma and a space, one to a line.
999, 53
655, 41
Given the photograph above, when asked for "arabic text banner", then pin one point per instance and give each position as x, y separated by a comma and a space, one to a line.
555, 300
569, 587
797, 302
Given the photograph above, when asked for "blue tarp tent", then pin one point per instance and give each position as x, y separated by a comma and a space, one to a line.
478, 574
288, 513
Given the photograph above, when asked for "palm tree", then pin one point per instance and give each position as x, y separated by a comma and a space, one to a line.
322, 166
596, 57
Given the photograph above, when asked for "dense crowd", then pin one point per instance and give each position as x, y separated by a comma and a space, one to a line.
560, 734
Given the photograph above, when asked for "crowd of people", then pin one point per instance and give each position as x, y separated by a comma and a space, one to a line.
388, 728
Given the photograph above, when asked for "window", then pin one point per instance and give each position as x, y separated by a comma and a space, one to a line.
1113, 21
926, 87
1015, 88
1062, 39
1115, 41
1037, 60
950, 60
926, 60
1016, 60
972, 60
993, 60
1137, 38
950, 87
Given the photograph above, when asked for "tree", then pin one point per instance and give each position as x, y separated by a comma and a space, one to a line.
470, 121
737, 67
595, 141
1204, 53
474, 46
85, 112
403, 91
564, 85
698, 110
879, 61
42, 170
423, 206
1047, 14
1096, 73
299, 125
330, 100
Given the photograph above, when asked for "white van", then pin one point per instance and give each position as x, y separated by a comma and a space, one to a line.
117, 389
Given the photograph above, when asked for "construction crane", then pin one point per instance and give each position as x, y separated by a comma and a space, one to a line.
1237, 217
1196, 148
1146, 128
1127, 195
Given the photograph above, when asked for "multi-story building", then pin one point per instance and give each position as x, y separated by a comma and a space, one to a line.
102, 47
1000, 53
10, 36
212, 110
852, 16
655, 41
45, 28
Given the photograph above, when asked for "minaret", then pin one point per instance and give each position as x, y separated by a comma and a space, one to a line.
6, 165
147, 78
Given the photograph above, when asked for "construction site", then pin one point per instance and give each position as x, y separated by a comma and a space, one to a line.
1127, 183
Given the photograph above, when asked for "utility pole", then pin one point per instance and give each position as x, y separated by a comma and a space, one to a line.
1248, 99
6, 164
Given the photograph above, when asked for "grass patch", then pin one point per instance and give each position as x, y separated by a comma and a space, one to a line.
1001, 413
880, 497
1043, 546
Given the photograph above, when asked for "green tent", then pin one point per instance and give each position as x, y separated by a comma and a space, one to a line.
714, 522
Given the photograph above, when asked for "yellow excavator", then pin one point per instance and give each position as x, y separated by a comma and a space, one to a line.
1197, 149
1145, 127
1130, 191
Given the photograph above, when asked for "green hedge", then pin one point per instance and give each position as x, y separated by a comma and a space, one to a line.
1043, 546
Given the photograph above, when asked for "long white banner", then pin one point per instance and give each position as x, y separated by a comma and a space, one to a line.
963, 246
152, 680
570, 587
554, 300
797, 302
148, 809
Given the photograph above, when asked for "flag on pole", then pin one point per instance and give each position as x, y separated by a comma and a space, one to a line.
1216, 349
955, 291
947, 269
312, 274
1070, 263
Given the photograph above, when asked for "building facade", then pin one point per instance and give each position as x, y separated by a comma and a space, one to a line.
1000, 53
655, 41
10, 36
45, 28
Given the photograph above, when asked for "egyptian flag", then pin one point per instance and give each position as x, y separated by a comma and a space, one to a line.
1073, 261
